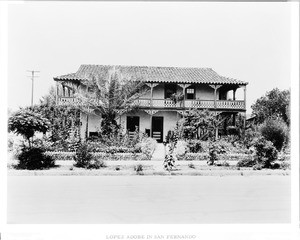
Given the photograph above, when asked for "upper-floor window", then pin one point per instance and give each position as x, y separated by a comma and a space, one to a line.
190, 93
169, 90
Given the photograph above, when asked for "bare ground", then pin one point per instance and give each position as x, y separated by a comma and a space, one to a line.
149, 199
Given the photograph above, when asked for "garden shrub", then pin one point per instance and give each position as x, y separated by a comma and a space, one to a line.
227, 157
118, 139
247, 162
213, 154
98, 146
85, 159
191, 165
100, 155
215, 148
275, 165
170, 136
61, 155
285, 165
180, 149
96, 164
249, 136
139, 169
222, 164
169, 162
257, 166
276, 131
83, 156
195, 146
197, 156
34, 158
15, 144
265, 151
113, 150
283, 157
148, 146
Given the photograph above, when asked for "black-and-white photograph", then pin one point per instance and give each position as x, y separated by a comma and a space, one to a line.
149, 113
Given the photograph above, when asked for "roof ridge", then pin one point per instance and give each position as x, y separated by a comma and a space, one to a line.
143, 66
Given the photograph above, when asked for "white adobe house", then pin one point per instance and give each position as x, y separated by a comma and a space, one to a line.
203, 88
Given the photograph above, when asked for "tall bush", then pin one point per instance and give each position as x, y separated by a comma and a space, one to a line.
276, 131
84, 158
266, 153
34, 158
148, 146
180, 149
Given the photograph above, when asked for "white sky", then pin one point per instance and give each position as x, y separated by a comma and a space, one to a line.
246, 41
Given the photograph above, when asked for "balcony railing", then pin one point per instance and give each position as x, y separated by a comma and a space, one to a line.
67, 100
76, 101
167, 103
202, 104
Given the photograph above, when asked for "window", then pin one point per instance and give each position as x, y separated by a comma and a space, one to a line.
190, 93
169, 90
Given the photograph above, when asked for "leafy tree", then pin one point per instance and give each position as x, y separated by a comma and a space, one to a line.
196, 123
276, 131
109, 96
274, 103
25, 122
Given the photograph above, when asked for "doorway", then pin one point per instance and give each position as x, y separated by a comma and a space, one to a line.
158, 128
133, 124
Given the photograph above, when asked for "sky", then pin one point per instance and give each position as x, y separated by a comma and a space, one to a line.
245, 41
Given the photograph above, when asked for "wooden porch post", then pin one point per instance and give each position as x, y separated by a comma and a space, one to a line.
184, 97
245, 121
151, 104
234, 91
215, 87
215, 106
245, 95
56, 94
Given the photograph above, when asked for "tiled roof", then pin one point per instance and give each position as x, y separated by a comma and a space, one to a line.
152, 74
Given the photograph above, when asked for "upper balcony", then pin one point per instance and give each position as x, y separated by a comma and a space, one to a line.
145, 103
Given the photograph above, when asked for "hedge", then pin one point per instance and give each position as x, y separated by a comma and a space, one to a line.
66, 156
222, 157
139, 156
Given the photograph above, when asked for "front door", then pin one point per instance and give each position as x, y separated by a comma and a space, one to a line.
157, 128
133, 124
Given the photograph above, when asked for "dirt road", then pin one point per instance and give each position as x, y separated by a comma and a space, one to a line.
148, 199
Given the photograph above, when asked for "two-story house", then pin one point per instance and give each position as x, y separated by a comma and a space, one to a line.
200, 88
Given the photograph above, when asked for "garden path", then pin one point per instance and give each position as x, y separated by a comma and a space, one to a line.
159, 153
